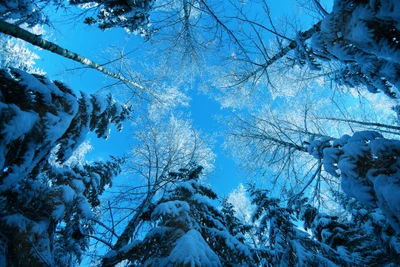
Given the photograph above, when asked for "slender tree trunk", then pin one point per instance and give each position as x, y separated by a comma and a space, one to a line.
120, 255
36, 40
276, 141
380, 126
133, 223
293, 44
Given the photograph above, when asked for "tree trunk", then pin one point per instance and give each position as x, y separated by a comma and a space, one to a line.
36, 40
379, 126
127, 234
293, 44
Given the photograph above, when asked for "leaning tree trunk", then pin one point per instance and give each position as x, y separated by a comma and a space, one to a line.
119, 254
120, 251
17, 32
382, 128
292, 45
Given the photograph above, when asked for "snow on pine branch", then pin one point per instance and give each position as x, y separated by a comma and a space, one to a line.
369, 167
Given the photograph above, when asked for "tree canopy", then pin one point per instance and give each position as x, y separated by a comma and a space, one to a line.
307, 107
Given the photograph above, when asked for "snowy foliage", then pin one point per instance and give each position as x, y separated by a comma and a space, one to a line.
23, 11
188, 230
365, 239
203, 218
241, 203
46, 207
130, 15
284, 244
192, 250
169, 146
77, 157
368, 165
51, 115
363, 37
14, 53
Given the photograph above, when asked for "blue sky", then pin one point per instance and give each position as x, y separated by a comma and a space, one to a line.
89, 41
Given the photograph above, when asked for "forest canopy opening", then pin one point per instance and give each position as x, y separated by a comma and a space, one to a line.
254, 133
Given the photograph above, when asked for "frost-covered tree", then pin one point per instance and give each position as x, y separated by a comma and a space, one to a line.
131, 15
160, 148
365, 236
274, 146
241, 203
353, 45
282, 243
46, 207
363, 36
24, 11
14, 53
368, 165
189, 230
237, 209
365, 164
360, 37
288, 148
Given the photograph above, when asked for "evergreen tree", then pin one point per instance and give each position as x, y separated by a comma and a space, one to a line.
366, 238
45, 206
24, 11
368, 165
189, 230
282, 243
363, 37
131, 15
235, 226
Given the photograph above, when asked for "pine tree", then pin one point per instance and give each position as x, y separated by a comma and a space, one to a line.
131, 15
45, 206
363, 37
282, 243
366, 238
24, 11
368, 165
235, 226
189, 230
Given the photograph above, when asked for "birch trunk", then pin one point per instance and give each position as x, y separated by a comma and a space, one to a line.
36, 40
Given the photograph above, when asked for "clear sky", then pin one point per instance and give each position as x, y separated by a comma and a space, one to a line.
88, 41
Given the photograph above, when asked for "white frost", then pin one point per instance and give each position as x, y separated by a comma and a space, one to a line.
172, 208
192, 250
